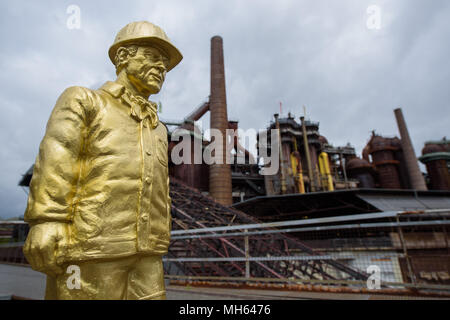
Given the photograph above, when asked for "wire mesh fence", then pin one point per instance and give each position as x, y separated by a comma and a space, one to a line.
375, 251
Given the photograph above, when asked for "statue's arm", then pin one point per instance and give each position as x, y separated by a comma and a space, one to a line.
55, 181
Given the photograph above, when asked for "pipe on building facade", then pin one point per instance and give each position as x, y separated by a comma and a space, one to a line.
324, 166
282, 163
312, 184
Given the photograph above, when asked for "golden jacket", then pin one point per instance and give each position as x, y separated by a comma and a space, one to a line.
105, 174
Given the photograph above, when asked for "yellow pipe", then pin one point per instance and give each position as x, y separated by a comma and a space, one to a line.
298, 174
318, 176
301, 183
325, 170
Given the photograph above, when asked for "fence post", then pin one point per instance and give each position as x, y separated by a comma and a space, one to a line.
247, 262
446, 237
405, 252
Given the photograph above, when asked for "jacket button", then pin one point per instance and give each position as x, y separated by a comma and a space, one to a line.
148, 152
148, 180
144, 218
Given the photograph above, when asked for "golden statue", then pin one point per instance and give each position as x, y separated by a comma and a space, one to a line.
99, 198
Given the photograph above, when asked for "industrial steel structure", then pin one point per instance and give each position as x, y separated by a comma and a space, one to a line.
324, 217
436, 157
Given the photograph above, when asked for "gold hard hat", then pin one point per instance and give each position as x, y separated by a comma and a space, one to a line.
144, 32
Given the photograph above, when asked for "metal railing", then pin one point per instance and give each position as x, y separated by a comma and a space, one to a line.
386, 250
397, 249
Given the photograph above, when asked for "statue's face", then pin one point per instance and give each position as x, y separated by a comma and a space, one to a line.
147, 69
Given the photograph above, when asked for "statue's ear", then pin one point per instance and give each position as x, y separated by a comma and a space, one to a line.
122, 55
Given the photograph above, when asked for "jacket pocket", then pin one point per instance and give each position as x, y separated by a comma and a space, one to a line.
161, 151
86, 225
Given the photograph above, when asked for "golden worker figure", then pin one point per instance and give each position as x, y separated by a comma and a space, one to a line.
99, 197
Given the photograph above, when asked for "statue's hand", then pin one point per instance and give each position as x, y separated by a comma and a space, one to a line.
42, 244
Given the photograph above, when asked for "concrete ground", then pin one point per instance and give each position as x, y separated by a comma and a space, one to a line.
22, 281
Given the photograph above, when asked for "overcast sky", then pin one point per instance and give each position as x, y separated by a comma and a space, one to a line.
319, 53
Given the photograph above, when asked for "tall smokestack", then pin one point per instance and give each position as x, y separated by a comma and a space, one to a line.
415, 176
219, 174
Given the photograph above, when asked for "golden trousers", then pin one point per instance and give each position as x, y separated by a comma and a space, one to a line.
131, 278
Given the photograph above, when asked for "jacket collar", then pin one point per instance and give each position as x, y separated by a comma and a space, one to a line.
140, 108
113, 88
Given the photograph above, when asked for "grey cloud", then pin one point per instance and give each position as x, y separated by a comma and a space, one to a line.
314, 53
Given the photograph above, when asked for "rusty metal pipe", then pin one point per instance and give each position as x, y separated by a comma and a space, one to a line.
308, 158
415, 176
198, 113
282, 165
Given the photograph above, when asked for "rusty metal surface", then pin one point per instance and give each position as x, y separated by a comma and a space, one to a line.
198, 113
436, 157
439, 174
191, 210
415, 176
308, 158
194, 175
247, 284
361, 170
383, 159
